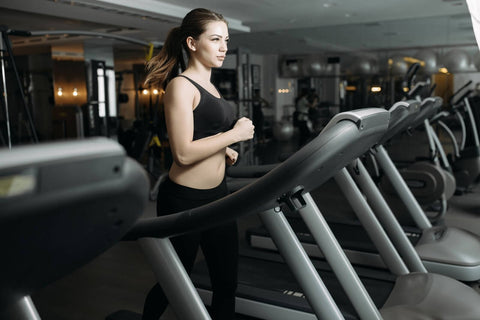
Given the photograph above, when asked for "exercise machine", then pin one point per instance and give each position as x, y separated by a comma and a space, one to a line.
465, 156
429, 176
346, 137
357, 130
63, 204
442, 249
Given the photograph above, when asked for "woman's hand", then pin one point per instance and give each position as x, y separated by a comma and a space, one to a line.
244, 129
231, 156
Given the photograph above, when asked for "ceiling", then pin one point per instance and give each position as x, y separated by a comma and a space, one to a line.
260, 26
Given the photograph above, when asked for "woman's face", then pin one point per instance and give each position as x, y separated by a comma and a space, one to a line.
211, 47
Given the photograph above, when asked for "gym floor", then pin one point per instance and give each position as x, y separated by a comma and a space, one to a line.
120, 278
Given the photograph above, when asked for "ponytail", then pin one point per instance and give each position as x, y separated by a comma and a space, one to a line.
164, 66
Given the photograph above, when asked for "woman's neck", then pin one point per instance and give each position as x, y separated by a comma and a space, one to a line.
198, 72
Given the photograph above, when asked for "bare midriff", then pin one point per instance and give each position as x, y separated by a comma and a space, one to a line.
205, 174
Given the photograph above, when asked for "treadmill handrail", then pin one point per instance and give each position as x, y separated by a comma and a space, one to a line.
402, 113
47, 152
309, 167
63, 203
429, 107
359, 117
254, 171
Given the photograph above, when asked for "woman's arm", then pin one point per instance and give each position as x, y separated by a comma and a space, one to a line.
179, 101
231, 156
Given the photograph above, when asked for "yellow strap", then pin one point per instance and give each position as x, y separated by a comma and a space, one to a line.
155, 141
150, 52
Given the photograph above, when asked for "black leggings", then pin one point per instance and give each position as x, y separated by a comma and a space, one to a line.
219, 246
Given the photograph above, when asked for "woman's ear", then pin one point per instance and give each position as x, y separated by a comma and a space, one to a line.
191, 43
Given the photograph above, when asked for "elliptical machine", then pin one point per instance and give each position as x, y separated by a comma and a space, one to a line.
465, 154
425, 167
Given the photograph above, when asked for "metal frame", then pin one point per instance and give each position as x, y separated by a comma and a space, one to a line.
337, 260
173, 278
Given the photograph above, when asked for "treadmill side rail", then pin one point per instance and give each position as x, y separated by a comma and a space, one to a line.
295, 256
173, 278
337, 259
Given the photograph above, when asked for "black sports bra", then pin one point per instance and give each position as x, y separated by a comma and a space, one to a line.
212, 115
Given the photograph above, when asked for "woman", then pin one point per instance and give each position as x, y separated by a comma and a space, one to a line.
200, 126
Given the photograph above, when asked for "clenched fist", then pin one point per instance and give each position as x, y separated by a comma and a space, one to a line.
244, 129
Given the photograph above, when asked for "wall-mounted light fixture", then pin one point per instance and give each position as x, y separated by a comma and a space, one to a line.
414, 60
75, 92
59, 92
443, 70
375, 89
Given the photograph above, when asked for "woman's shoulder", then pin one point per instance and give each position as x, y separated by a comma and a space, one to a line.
180, 83
180, 89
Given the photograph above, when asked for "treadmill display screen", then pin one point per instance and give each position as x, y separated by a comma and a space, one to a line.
17, 184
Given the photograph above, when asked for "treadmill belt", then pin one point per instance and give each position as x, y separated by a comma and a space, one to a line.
272, 282
350, 236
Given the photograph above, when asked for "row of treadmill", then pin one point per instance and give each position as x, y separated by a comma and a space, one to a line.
347, 230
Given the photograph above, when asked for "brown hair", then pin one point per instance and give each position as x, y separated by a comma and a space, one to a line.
164, 66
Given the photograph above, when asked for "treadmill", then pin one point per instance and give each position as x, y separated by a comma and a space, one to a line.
446, 250
346, 137
62, 204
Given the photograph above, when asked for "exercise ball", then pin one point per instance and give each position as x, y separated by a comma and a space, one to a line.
291, 67
313, 66
429, 58
398, 66
283, 130
457, 60
330, 69
363, 66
